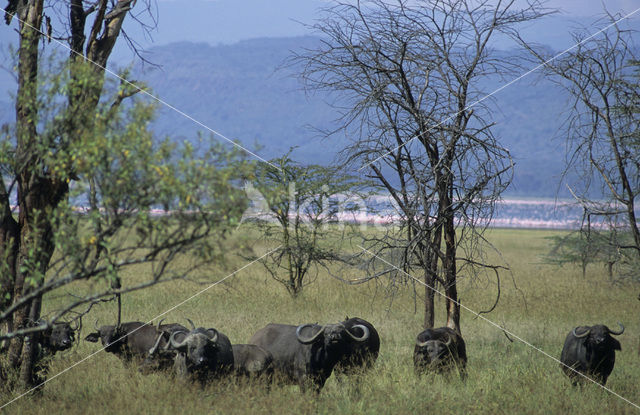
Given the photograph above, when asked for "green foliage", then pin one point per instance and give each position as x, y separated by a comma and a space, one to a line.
133, 199
604, 247
303, 201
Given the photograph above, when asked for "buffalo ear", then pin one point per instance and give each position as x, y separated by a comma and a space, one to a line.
616, 345
93, 337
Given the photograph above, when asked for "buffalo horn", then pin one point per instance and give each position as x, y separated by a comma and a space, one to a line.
158, 325
96, 325
365, 334
213, 335
421, 344
193, 326
155, 346
75, 326
617, 333
311, 339
449, 341
579, 336
176, 344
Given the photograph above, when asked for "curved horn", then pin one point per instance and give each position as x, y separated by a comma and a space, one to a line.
308, 340
619, 332
365, 334
155, 346
176, 344
422, 344
96, 325
449, 341
158, 325
213, 338
193, 326
579, 336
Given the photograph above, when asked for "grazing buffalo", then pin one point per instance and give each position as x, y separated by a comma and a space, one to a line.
363, 354
307, 354
133, 339
201, 354
253, 362
590, 351
439, 350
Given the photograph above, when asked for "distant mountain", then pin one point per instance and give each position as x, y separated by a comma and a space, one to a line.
238, 91
243, 92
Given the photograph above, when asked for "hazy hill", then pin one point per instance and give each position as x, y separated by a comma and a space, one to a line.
239, 91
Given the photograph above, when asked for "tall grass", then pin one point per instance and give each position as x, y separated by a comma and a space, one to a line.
539, 303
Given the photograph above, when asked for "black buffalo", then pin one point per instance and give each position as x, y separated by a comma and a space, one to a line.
201, 354
132, 340
590, 350
439, 350
307, 354
253, 362
54, 338
58, 337
363, 354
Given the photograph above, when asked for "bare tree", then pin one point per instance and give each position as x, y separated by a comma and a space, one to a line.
603, 146
303, 204
409, 74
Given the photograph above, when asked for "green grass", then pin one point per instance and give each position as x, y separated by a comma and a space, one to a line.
539, 302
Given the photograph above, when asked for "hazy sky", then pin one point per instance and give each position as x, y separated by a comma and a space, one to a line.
228, 21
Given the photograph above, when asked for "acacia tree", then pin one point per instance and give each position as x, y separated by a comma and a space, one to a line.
603, 145
410, 73
77, 142
303, 204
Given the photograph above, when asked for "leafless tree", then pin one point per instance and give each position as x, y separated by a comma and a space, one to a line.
603, 144
409, 73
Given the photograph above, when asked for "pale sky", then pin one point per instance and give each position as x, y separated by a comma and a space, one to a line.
228, 21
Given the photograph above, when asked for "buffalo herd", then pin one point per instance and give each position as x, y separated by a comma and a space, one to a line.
307, 354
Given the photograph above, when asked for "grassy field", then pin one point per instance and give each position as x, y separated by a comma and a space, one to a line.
539, 303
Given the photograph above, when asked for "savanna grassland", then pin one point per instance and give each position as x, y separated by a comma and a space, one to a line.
540, 303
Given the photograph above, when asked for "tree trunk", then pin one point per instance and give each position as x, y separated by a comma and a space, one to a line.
26, 119
430, 278
449, 263
429, 294
451, 290
9, 237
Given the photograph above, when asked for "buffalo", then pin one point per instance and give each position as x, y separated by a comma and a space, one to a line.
252, 362
590, 350
439, 350
58, 337
132, 340
306, 354
363, 354
201, 354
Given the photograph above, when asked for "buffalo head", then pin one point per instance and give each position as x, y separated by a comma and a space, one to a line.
60, 336
437, 352
113, 338
440, 349
332, 335
598, 337
199, 345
